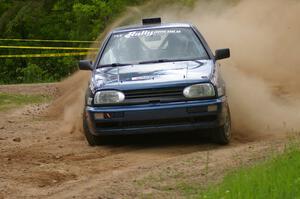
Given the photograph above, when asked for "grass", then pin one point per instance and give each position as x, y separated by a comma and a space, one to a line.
10, 101
278, 177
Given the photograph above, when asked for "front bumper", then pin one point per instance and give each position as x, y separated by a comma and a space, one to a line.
160, 117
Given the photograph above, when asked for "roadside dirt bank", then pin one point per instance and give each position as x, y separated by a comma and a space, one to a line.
31, 89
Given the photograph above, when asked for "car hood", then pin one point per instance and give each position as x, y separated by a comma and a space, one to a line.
149, 74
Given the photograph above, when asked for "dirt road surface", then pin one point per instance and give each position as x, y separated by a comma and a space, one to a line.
39, 159
46, 156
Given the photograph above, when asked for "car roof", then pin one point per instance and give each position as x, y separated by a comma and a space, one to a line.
152, 26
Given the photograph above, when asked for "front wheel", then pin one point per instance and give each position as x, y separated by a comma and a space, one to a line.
222, 135
91, 139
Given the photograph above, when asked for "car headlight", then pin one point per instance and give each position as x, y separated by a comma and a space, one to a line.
109, 97
199, 91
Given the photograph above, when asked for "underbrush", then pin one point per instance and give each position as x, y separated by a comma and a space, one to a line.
10, 101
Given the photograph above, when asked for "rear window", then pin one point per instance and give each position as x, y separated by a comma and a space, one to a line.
156, 44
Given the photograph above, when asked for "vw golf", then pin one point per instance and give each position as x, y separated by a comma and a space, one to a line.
156, 77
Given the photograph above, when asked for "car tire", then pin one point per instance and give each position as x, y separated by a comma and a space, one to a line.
222, 135
92, 139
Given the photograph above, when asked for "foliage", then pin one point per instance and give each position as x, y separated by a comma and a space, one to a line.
32, 73
50, 19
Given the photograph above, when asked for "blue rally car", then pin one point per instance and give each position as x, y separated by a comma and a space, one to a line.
156, 77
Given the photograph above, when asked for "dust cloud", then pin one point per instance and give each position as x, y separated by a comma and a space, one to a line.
68, 106
262, 75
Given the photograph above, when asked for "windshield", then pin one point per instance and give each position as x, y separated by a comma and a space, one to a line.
153, 45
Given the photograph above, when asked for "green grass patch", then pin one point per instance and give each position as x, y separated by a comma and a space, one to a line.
10, 101
278, 177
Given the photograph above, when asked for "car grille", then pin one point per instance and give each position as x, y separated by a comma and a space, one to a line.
154, 95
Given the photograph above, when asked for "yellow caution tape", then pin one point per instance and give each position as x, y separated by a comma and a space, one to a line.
43, 40
46, 48
45, 55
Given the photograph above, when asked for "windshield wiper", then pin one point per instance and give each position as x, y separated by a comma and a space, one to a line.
113, 65
162, 61
144, 62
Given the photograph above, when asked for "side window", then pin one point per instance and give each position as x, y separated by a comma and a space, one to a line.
207, 50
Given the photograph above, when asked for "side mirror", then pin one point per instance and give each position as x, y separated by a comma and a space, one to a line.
222, 54
85, 65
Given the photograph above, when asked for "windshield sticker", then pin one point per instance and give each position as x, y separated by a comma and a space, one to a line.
147, 33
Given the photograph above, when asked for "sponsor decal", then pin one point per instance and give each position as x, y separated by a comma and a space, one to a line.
147, 33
